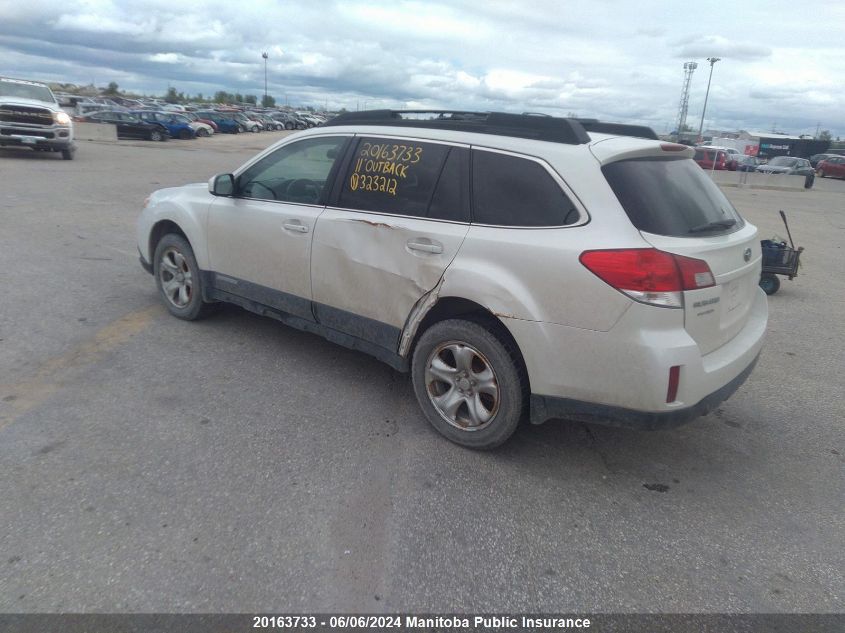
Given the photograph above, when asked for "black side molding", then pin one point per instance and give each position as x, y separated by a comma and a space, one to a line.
145, 265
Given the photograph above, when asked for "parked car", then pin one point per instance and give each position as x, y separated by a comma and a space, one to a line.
129, 125
178, 126
732, 155
633, 300
200, 128
192, 116
285, 119
250, 121
832, 166
816, 158
270, 123
747, 163
787, 165
245, 124
300, 123
224, 123
711, 158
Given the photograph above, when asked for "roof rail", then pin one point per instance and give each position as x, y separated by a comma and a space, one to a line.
500, 123
526, 125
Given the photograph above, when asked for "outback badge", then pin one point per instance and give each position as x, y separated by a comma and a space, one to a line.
747, 254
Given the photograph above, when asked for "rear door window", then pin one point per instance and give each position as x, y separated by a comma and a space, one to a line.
407, 177
513, 191
671, 197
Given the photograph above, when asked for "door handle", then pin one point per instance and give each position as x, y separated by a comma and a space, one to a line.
426, 247
297, 227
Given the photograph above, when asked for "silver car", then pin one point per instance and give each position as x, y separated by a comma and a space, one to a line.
787, 165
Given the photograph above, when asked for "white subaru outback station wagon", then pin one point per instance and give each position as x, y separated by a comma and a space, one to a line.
517, 266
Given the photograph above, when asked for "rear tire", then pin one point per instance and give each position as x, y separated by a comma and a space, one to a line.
202, 132
769, 283
469, 382
288, 125
178, 278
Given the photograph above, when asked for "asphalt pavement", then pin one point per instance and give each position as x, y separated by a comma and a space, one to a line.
234, 464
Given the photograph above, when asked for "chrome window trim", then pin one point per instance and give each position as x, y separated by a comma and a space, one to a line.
584, 214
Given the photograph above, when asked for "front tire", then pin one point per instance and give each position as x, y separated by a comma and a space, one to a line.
288, 125
202, 132
178, 278
469, 382
67, 154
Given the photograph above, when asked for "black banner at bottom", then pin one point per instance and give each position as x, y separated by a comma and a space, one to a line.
587, 623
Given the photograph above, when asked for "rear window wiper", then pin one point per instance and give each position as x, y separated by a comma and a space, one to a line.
716, 224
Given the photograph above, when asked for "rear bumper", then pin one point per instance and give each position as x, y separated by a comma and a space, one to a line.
545, 408
620, 377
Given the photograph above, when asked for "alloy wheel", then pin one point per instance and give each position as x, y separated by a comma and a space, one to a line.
462, 385
177, 282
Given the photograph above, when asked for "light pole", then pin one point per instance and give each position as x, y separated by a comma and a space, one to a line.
264, 103
712, 61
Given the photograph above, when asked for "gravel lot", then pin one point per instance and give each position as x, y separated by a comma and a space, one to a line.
237, 465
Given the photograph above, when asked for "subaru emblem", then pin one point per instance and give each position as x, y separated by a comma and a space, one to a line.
747, 254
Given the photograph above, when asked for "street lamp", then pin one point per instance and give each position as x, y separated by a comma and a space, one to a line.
264, 55
712, 61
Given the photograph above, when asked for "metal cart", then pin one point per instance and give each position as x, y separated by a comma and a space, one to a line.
779, 259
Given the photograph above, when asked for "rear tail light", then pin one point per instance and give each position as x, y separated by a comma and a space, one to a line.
648, 275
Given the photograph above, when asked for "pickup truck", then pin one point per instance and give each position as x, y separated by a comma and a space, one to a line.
30, 116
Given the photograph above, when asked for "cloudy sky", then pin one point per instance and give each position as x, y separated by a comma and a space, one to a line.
783, 63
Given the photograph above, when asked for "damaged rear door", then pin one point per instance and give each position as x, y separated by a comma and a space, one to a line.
394, 226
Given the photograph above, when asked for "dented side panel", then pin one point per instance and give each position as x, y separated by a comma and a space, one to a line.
377, 265
535, 275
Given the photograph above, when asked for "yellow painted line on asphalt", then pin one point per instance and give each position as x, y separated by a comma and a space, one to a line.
19, 398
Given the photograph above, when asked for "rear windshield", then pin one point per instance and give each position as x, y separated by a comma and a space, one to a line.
671, 197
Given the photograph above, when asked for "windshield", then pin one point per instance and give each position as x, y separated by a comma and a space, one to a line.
671, 197
26, 91
782, 161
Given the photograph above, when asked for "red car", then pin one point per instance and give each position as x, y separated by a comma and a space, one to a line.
832, 166
194, 117
705, 158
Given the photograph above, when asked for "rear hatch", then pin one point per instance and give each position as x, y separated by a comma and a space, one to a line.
678, 209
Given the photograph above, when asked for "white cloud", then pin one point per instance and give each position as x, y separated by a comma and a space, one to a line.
607, 58
165, 58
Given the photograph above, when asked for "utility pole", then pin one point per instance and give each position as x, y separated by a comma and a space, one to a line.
712, 61
264, 103
689, 68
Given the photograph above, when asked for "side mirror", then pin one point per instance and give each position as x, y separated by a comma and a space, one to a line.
222, 185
